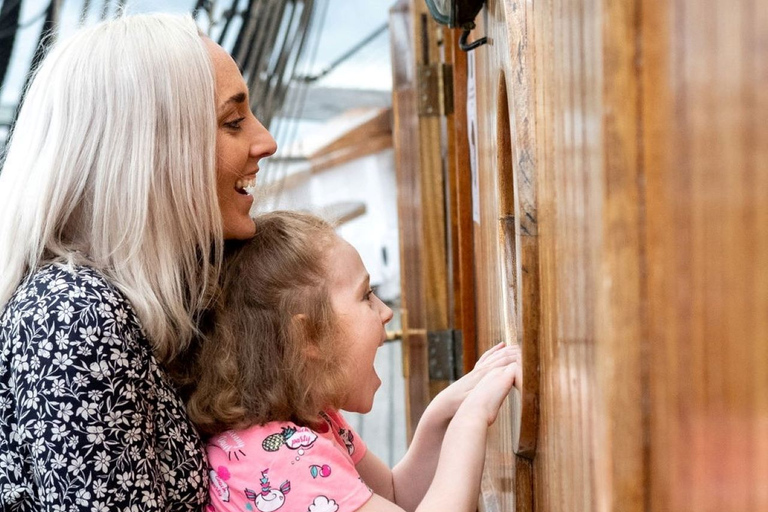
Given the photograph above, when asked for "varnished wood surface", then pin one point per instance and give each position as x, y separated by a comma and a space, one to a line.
407, 158
705, 106
639, 129
506, 247
421, 203
460, 179
650, 154
590, 453
572, 83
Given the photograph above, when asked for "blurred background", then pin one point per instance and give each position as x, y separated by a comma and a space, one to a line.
320, 79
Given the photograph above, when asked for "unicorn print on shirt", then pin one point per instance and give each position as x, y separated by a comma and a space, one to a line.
268, 499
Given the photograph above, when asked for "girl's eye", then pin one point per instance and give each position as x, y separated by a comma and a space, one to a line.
371, 291
234, 125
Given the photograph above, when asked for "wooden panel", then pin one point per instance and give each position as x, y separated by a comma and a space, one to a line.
460, 179
590, 447
506, 242
621, 379
706, 153
407, 163
421, 202
639, 144
570, 73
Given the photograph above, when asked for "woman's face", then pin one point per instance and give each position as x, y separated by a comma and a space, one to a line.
241, 141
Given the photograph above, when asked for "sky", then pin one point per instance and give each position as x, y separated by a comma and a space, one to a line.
346, 23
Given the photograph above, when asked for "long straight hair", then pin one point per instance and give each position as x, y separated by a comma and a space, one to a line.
111, 164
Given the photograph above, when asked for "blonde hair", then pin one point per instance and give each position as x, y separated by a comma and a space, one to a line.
111, 164
270, 350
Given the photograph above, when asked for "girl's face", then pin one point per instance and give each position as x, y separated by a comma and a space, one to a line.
361, 317
241, 141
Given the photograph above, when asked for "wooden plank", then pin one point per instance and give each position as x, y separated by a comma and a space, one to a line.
407, 163
460, 177
355, 127
427, 40
704, 106
506, 242
362, 148
621, 412
341, 212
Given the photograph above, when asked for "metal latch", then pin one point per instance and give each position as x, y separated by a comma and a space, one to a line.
445, 355
435, 89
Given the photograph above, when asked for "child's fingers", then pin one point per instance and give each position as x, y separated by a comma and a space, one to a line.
500, 356
493, 389
491, 355
490, 351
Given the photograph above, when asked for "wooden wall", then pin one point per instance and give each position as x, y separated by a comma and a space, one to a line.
705, 125
622, 239
644, 126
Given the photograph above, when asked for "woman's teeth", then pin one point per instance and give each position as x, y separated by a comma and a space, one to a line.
244, 184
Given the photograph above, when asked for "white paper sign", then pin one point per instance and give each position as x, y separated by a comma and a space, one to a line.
472, 135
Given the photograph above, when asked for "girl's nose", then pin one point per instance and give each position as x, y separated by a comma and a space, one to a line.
387, 313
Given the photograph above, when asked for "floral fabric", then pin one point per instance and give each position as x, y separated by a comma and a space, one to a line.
281, 466
88, 421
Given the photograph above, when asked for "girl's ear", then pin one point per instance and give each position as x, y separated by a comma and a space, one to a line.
300, 324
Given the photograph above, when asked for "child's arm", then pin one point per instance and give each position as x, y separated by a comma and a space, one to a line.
413, 475
456, 482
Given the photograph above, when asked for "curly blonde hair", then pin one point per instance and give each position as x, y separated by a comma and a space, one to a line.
269, 349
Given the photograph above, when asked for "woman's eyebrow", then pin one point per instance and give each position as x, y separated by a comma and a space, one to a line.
236, 98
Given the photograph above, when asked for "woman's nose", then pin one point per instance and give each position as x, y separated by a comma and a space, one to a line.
264, 144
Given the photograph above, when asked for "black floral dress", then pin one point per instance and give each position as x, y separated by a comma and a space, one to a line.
88, 421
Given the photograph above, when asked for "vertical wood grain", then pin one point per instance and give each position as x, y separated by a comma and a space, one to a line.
621, 366
461, 213
506, 243
407, 165
642, 125
705, 152
569, 160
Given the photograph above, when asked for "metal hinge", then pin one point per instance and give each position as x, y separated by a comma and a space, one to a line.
435, 89
445, 359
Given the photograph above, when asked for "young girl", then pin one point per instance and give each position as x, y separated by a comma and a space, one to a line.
291, 342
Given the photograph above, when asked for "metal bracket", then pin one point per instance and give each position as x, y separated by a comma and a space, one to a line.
445, 360
435, 89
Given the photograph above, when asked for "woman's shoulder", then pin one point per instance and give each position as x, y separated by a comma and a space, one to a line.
63, 289
57, 279
69, 305
73, 360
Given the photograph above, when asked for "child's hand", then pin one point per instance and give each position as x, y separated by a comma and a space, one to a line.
448, 401
487, 396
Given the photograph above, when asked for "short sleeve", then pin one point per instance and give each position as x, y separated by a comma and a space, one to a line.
283, 465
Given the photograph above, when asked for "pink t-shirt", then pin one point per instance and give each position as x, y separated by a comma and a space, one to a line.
281, 466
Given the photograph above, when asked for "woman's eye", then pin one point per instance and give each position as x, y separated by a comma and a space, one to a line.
234, 125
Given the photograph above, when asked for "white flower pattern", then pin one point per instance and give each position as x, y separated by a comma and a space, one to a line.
88, 420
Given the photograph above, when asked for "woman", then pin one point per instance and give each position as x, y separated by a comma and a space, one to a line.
126, 170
